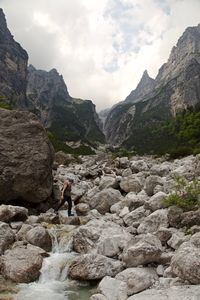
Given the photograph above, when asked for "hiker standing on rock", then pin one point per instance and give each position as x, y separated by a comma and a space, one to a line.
66, 196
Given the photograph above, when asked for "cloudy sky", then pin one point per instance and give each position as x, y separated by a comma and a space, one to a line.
101, 47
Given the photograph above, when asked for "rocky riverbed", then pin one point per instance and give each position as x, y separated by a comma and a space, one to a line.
123, 242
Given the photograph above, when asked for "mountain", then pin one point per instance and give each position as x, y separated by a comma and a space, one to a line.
134, 122
69, 119
45, 94
13, 68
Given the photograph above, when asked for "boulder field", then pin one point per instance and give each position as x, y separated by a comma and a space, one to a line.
125, 236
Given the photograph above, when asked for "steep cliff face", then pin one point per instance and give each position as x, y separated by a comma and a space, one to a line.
46, 90
13, 68
175, 89
68, 118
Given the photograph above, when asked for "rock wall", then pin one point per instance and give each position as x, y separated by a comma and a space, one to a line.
26, 158
13, 68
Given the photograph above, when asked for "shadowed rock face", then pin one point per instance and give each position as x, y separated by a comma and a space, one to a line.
176, 88
13, 68
46, 90
66, 117
26, 158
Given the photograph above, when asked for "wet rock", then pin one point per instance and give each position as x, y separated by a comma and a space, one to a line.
145, 249
22, 264
7, 237
48, 217
40, 237
154, 221
21, 235
93, 266
71, 220
9, 213
137, 279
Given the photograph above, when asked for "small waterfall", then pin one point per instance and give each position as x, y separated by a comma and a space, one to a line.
53, 283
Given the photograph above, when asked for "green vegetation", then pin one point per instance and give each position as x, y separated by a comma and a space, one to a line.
61, 146
122, 152
75, 122
156, 132
186, 194
3, 103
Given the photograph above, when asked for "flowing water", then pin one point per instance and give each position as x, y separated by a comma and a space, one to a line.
53, 283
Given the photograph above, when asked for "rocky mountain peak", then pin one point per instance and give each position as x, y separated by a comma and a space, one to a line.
187, 49
144, 87
4, 32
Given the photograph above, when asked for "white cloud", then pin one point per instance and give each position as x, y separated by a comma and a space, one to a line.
100, 47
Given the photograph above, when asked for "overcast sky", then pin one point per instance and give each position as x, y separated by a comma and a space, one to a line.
101, 47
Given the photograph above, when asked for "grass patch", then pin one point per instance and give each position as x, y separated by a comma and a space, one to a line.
186, 194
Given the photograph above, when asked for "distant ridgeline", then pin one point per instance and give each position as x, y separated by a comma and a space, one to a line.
46, 95
162, 115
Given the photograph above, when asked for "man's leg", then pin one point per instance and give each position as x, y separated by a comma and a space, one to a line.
61, 204
69, 201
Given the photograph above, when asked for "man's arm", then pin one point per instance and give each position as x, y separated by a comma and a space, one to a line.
63, 190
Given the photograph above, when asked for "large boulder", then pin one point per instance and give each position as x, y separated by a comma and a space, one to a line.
98, 236
93, 267
40, 237
186, 262
22, 264
113, 289
172, 293
154, 221
138, 279
142, 250
7, 237
26, 158
9, 213
103, 200
135, 216
131, 184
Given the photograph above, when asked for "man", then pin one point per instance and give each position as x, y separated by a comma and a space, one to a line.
66, 196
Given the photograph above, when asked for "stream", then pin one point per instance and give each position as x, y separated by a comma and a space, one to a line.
53, 283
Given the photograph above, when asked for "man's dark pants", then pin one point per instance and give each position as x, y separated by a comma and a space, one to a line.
69, 201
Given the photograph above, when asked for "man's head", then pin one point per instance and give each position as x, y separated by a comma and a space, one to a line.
71, 180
